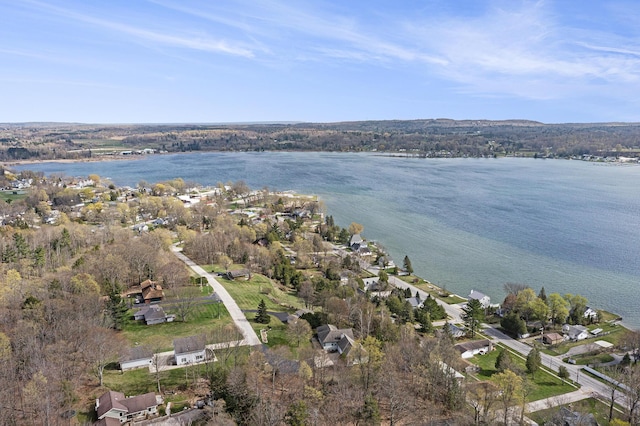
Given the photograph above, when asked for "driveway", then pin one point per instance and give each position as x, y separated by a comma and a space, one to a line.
250, 336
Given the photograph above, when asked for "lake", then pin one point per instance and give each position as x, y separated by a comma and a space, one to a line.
570, 226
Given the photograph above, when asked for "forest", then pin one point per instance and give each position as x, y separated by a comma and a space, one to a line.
422, 138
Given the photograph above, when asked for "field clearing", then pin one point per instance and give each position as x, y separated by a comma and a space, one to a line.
249, 293
12, 195
543, 385
203, 320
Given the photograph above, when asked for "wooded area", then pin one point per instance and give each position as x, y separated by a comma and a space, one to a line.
426, 138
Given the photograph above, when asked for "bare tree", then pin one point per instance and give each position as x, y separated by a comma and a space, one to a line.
298, 330
103, 346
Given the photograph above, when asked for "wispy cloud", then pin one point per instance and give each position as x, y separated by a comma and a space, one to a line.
523, 51
202, 42
314, 33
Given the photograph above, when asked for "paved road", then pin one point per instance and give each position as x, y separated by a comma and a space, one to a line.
453, 311
590, 386
250, 336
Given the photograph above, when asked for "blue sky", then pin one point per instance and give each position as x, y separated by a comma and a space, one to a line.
169, 61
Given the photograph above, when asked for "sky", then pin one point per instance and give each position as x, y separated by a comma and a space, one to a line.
221, 61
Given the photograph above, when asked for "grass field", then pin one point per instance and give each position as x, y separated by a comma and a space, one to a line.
432, 289
12, 195
590, 405
203, 320
248, 293
543, 385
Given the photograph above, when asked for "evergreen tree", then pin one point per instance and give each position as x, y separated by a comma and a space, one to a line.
370, 412
473, 315
504, 361
533, 361
542, 295
407, 265
563, 373
262, 316
297, 414
513, 324
116, 309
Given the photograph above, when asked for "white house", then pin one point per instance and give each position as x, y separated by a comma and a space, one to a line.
190, 350
590, 314
575, 332
138, 356
484, 300
473, 348
371, 283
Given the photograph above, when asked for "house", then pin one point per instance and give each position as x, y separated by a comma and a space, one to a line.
190, 350
455, 331
484, 300
590, 314
152, 314
136, 357
370, 284
574, 418
330, 337
552, 338
240, 273
473, 348
114, 405
355, 239
450, 371
575, 332
151, 291
415, 301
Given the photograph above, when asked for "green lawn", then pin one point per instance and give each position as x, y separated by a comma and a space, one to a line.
591, 358
616, 332
248, 293
590, 405
543, 385
432, 289
12, 195
203, 320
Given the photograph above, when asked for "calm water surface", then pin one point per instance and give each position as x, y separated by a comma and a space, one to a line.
570, 226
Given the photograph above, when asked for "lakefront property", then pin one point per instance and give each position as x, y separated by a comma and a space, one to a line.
265, 285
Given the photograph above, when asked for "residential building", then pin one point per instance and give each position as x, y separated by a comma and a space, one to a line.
330, 338
136, 357
151, 291
473, 348
484, 300
190, 350
114, 405
152, 314
575, 332
552, 338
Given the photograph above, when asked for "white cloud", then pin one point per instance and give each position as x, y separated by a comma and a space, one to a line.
184, 39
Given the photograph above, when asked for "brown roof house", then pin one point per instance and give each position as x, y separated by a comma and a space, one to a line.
114, 405
190, 350
151, 291
552, 338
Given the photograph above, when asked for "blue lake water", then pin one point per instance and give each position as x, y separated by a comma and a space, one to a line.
570, 226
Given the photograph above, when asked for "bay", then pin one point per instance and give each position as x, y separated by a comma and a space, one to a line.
570, 226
